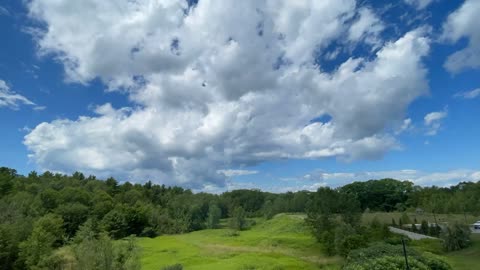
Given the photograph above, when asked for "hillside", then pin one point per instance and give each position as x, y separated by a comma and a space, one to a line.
283, 242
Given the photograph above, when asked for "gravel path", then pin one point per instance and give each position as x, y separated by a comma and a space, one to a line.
411, 235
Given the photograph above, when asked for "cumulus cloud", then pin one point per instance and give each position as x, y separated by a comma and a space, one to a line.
433, 122
463, 23
221, 85
469, 94
11, 99
419, 4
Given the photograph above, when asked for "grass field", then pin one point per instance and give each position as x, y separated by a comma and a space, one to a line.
281, 243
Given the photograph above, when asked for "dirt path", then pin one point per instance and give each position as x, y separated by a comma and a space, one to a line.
411, 235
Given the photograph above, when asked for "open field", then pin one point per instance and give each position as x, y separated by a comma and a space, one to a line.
281, 243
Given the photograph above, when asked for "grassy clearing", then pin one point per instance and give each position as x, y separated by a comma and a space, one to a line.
281, 243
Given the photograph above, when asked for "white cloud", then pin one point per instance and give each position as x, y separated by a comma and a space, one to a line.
233, 173
11, 99
463, 23
223, 85
368, 26
433, 122
419, 4
469, 94
335, 179
407, 125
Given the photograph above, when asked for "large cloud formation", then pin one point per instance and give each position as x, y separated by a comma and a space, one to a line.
222, 85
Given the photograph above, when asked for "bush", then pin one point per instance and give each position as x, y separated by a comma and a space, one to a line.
456, 237
384, 256
346, 240
388, 262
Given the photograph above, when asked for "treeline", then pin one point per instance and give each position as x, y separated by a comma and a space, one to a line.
68, 202
40, 213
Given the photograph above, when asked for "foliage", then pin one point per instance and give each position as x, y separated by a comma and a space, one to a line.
347, 239
120, 209
214, 215
380, 195
384, 256
47, 234
238, 220
94, 250
456, 237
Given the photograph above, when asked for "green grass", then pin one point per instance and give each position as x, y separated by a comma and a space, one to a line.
281, 243
466, 259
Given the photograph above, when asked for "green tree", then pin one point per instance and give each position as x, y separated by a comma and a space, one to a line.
238, 220
267, 209
47, 235
213, 218
405, 218
73, 215
424, 227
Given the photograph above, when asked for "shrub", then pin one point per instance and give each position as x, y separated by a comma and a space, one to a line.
456, 237
346, 240
424, 227
384, 256
388, 262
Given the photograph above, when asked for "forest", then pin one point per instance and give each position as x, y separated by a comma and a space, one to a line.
100, 220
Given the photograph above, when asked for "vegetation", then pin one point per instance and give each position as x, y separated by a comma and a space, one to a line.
385, 256
51, 220
456, 237
283, 242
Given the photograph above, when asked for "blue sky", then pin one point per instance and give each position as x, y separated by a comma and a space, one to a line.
242, 95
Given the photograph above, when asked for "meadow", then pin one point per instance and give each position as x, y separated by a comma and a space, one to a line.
283, 242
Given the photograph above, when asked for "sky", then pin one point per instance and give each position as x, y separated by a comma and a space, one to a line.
221, 95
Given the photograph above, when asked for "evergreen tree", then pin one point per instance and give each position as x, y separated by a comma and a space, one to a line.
213, 218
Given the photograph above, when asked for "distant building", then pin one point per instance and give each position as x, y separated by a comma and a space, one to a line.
419, 211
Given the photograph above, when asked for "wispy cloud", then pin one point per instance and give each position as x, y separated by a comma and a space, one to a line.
469, 94
433, 122
233, 173
4, 11
11, 99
